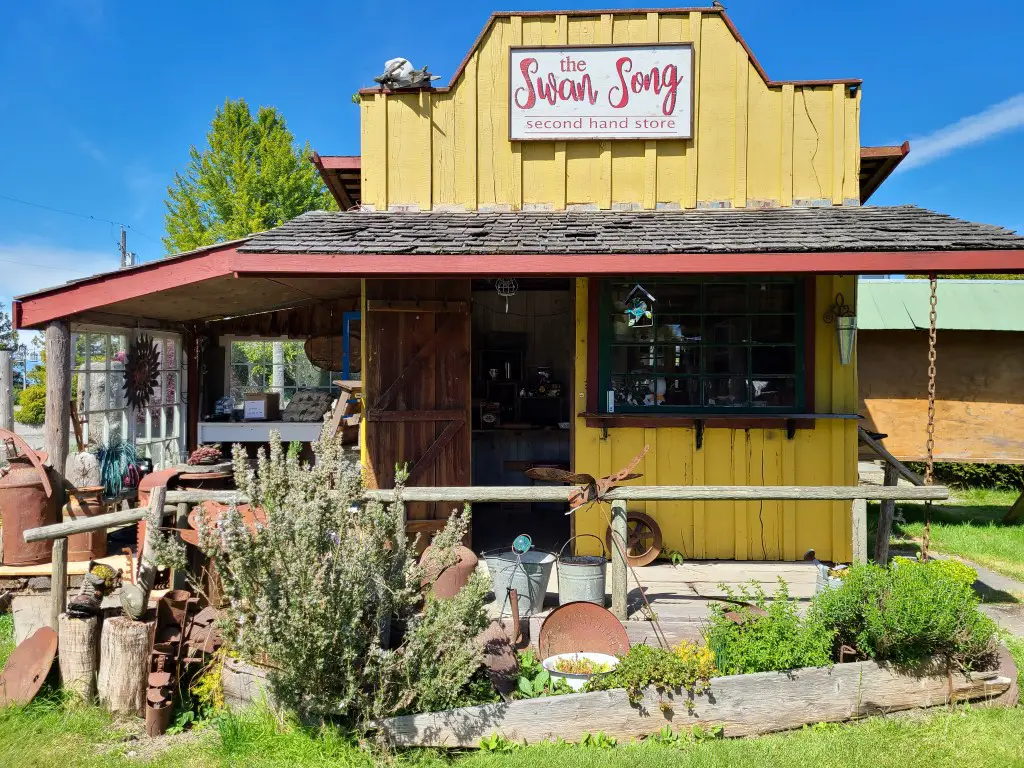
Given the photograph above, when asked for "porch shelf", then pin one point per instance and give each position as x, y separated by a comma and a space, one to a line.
257, 431
747, 420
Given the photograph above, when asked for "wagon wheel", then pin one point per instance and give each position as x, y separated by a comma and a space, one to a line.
643, 539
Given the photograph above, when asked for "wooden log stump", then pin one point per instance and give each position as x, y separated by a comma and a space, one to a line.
79, 644
245, 684
124, 664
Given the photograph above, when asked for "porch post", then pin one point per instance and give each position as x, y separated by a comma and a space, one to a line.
620, 543
56, 431
860, 531
191, 345
6, 390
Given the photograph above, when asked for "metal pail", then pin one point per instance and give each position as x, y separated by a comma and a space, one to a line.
528, 574
582, 577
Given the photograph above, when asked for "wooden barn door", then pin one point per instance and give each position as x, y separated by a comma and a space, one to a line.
416, 383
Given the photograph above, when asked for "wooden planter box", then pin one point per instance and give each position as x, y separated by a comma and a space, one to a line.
745, 705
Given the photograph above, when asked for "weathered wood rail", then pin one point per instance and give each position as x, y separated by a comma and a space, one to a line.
744, 705
858, 494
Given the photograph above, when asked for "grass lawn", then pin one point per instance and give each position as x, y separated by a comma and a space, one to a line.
47, 734
967, 526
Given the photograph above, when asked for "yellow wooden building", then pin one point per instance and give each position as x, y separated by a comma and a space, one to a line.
611, 230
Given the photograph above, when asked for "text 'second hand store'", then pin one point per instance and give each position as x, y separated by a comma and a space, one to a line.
677, 225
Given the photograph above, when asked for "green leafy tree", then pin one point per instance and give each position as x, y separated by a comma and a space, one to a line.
8, 336
250, 177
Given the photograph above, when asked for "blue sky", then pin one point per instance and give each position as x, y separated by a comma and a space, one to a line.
100, 99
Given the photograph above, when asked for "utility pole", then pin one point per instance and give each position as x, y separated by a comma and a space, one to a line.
127, 257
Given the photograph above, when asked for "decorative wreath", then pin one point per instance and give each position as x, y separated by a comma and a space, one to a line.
141, 372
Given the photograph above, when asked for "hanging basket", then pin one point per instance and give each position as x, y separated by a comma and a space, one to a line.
325, 352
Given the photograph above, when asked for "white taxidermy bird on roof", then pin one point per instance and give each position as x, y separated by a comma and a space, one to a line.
399, 73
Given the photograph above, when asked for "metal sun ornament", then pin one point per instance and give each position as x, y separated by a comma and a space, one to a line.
506, 288
141, 372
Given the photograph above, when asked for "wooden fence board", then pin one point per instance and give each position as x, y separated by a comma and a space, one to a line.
745, 705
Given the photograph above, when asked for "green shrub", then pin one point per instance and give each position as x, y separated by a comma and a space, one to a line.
909, 613
774, 641
33, 405
1009, 476
665, 670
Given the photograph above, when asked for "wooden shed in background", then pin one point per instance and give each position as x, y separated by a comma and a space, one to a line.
980, 388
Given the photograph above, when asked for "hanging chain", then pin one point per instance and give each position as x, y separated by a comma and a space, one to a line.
929, 445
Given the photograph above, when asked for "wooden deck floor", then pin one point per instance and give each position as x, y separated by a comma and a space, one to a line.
680, 595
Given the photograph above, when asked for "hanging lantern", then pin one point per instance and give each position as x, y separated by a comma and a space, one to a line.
639, 308
506, 288
845, 321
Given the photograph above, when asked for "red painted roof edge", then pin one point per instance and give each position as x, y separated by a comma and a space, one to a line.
616, 12
900, 151
227, 245
336, 162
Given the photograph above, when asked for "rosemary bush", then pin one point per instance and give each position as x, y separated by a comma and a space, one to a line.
315, 590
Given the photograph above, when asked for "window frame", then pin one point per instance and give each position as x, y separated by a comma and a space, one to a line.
599, 365
226, 342
164, 449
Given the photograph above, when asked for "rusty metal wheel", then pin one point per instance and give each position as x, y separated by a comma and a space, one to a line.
643, 539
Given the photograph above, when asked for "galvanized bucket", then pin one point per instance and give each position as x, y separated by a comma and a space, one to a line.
528, 574
582, 577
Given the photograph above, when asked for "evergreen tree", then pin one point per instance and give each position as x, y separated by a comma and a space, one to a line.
8, 336
249, 178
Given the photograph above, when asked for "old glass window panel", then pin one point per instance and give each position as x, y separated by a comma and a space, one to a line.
713, 344
98, 392
254, 368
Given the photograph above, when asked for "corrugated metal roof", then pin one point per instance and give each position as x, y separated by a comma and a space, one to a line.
964, 305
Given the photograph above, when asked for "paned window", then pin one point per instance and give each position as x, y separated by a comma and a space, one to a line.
703, 344
98, 393
275, 366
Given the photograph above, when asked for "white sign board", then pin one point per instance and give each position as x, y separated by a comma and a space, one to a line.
601, 92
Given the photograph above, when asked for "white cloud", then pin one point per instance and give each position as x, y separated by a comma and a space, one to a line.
29, 267
999, 118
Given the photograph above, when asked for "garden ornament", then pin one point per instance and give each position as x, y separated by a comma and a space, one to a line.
99, 581
141, 372
591, 488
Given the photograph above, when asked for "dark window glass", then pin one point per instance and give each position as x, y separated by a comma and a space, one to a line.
708, 344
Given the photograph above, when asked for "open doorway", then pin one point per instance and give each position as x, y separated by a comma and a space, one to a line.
522, 386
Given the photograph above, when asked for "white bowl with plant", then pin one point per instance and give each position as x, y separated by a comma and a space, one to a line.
577, 668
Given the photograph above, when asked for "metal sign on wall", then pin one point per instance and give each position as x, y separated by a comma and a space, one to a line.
601, 92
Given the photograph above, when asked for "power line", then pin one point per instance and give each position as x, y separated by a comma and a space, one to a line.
37, 266
78, 215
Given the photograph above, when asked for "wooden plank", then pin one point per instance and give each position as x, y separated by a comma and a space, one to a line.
860, 531
745, 705
630, 493
431, 454
904, 471
57, 429
58, 582
412, 305
1014, 513
413, 416
620, 574
885, 516
418, 360
86, 525
666, 493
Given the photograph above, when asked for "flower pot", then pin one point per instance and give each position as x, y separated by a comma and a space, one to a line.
577, 681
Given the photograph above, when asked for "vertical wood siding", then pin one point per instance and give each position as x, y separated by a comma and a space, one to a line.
753, 144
